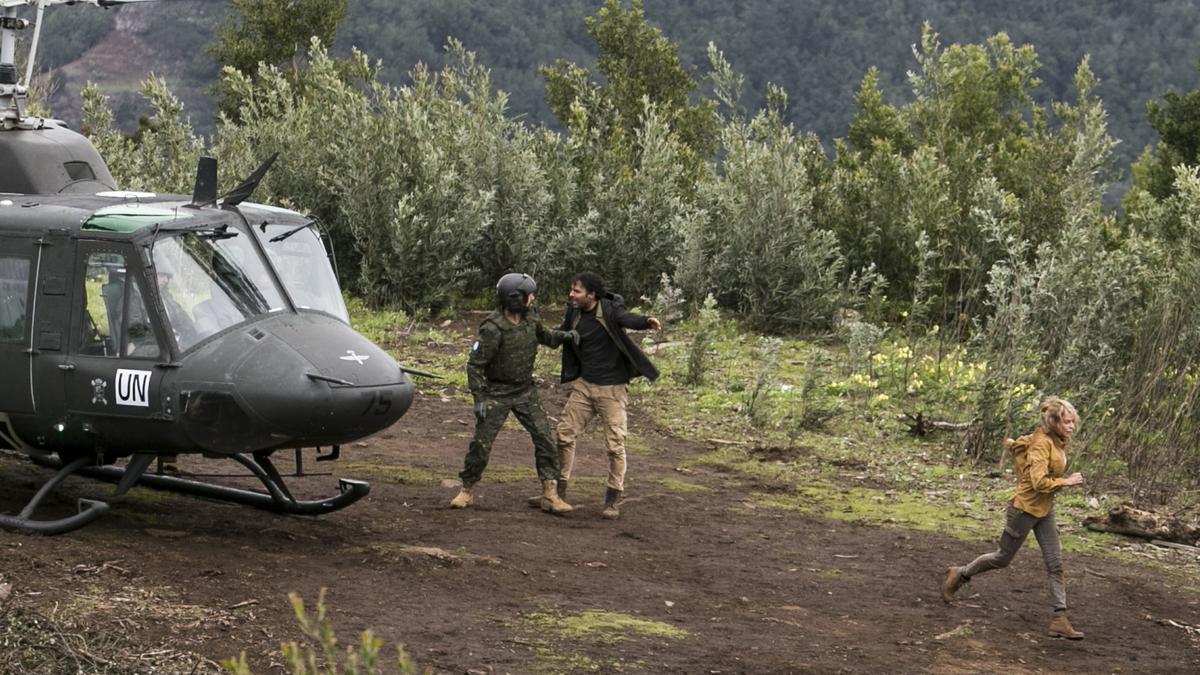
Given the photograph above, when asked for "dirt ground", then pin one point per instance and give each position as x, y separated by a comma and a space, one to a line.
188, 581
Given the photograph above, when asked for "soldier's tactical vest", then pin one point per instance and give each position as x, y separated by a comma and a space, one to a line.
515, 357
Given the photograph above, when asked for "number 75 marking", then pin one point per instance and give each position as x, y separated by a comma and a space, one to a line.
378, 403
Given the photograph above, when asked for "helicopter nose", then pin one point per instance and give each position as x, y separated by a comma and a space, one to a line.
320, 383
290, 380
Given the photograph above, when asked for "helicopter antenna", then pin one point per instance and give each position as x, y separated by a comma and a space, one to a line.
242, 192
13, 92
205, 192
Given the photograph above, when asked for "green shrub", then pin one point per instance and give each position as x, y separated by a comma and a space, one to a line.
707, 324
323, 657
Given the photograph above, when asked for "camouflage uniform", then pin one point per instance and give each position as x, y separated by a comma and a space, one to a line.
500, 375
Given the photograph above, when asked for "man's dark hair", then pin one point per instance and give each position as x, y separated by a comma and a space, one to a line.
592, 283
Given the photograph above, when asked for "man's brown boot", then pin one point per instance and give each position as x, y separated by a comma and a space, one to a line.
954, 581
464, 497
535, 502
551, 502
611, 499
1060, 627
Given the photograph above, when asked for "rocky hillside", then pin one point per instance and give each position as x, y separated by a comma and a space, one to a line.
164, 39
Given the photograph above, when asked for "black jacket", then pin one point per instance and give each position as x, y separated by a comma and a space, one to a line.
615, 318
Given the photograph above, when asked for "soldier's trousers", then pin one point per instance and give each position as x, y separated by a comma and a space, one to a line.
527, 408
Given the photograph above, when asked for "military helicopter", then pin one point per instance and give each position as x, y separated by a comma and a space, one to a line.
135, 325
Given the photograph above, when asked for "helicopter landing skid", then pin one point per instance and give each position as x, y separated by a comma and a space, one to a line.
89, 509
277, 498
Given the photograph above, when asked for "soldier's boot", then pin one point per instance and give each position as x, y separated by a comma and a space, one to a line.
464, 497
954, 581
535, 502
551, 502
611, 499
1060, 627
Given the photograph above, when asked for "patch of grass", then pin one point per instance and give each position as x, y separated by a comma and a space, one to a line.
878, 507
737, 458
1094, 542
511, 473
682, 486
637, 445
408, 475
551, 661
552, 628
144, 496
382, 327
147, 506
600, 626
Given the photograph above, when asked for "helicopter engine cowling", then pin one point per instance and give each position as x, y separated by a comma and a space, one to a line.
51, 160
291, 380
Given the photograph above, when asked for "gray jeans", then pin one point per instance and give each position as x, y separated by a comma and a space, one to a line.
1016, 527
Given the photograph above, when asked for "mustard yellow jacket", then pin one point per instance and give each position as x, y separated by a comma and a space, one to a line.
1040, 462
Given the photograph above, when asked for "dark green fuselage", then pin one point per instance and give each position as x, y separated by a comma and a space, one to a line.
104, 347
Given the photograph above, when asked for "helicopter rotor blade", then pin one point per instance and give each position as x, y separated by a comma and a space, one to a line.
33, 45
242, 192
99, 3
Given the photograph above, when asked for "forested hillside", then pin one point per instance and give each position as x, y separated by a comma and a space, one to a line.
818, 50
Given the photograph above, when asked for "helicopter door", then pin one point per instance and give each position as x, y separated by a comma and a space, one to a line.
16, 283
115, 342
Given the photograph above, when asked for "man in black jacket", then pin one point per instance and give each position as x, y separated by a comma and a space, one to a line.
601, 365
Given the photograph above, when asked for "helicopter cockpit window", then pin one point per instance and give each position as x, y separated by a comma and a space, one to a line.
14, 289
115, 319
209, 281
299, 257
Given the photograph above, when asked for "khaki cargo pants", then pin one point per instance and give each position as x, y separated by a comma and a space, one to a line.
586, 401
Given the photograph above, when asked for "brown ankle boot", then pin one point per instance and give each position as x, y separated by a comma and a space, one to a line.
464, 497
1060, 627
535, 502
551, 502
954, 581
611, 499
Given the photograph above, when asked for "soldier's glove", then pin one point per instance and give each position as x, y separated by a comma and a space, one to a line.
573, 336
480, 409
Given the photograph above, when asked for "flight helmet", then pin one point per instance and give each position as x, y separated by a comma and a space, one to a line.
513, 291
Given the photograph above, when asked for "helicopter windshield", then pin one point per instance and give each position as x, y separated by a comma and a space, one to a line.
209, 282
299, 257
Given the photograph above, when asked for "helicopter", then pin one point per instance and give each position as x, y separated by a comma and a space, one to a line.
136, 326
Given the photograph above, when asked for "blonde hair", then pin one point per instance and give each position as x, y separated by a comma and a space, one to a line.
1054, 409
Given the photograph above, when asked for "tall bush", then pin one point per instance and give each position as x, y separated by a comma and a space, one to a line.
759, 249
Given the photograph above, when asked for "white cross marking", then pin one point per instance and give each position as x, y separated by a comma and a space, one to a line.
358, 358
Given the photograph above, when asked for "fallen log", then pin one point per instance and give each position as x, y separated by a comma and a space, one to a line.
919, 425
1134, 522
1179, 547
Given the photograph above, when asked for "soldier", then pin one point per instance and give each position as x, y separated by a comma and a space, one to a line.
500, 375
